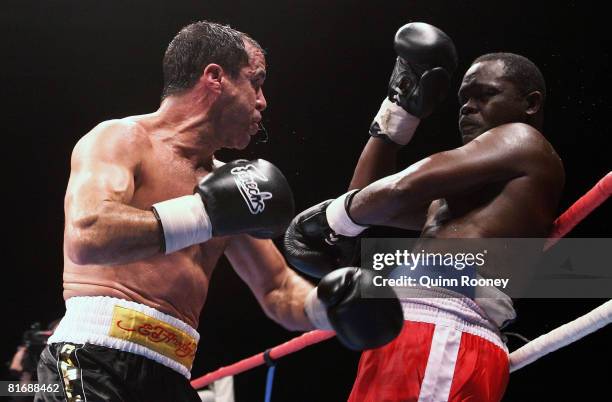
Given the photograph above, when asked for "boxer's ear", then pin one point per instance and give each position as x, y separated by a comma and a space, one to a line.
211, 77
534, 100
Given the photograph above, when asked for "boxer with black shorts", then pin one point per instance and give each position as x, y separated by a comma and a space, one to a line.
149, 211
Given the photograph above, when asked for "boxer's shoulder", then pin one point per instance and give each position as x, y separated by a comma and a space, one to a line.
526, 140
120, 132
519, 139
118, 139
515, 132
527, 151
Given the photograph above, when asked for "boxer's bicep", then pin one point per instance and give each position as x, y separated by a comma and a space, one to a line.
93, 185
495, 157
103, 166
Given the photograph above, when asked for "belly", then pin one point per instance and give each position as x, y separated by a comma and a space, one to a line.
176, 284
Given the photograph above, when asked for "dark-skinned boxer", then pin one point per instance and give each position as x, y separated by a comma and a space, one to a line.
505, 181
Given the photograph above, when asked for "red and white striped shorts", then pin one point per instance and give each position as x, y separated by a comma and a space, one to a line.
442, 354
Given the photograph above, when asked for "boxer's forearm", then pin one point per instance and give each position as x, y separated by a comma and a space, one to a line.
378, 159
399, 200
114, 234
285, 304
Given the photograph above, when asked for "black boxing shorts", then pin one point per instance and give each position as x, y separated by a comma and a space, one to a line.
108, 349
98, 373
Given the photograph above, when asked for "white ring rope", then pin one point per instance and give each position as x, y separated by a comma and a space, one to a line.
562, 336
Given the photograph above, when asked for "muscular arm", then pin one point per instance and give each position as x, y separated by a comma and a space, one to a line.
278, 289
498, 155
101, 228
378, 159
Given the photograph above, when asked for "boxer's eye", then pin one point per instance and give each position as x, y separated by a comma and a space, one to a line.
490, 92
487, 92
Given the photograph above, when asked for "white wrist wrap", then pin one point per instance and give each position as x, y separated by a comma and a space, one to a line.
339, 220
396, 123
184, 222
316, 311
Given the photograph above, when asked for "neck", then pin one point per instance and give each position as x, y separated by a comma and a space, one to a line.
186, 125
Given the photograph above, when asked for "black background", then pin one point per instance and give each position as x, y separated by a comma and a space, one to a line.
67, 65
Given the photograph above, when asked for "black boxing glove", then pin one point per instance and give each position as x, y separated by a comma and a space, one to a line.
323, 237
344, 301
426, 60
242, 196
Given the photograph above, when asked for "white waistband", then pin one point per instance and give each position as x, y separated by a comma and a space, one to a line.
462, 314
89, 319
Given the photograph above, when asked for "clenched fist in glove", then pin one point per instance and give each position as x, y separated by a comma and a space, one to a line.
426, 59
343, 301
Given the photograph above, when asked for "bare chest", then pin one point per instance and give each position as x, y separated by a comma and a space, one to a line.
462, 215
162, 177
518, 208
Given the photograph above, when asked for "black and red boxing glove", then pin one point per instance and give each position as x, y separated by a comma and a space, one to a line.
426, 59
346, 302
251, 197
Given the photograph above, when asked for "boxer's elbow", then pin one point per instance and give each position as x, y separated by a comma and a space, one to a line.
83, 240
418, 183
407, 194
78, 253
412, 190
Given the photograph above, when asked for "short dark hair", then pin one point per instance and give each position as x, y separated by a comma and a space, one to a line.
198, 45
519, 70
